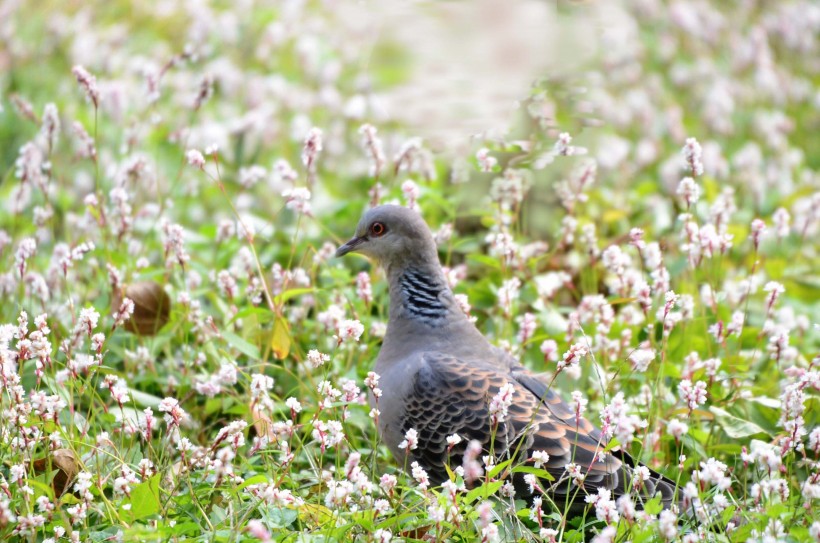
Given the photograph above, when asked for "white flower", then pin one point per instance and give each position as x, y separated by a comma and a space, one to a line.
348, 330
411, 440
195, 158
689, 191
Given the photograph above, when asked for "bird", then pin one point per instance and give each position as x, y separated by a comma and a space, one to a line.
439, 375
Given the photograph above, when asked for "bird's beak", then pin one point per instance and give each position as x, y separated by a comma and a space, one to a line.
350, 246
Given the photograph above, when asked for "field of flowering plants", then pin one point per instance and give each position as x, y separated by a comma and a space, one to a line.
625, 197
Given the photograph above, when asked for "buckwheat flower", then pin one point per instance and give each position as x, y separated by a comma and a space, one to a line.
312, 147
781, 219
411, 440
50, 128
17, 473
550, 350
814, 440
206, 90
539, 458
87, 321
382, 535
758, 228
510, 189
195, 158
387, 483
124, 313
420, 475
641, 358
373, 146
814, 531
774, 289
85, 143
411, 192
298, 200
689, 191
575, 473
348, 330
174, 414
692, 395
25, 250
527, 325
257, 529
294, 406
501, 403
573, 356
677, 429
452, 441
693, 154
250, 176
88, 83
82, 485
616, 420
605, 508
486, 162
580, 405
469, 464
317, 359
173, 243
364, 289
668, 525
532, 482
508, 293
562, 147
712, 472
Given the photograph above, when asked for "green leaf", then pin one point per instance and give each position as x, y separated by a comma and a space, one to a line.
538, 472
653, 506
244, 347
255, 480
144, 500
498, 468
290, 294
144, 399
484, 491
488, 261
735, 427
279, 517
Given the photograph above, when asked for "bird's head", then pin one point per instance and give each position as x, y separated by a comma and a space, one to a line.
392, 234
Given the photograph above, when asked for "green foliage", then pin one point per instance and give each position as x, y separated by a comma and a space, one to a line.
247, 417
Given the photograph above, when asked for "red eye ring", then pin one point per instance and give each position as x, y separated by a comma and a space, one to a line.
377, 229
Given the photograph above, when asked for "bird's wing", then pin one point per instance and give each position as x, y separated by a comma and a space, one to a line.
559, 409
452, 396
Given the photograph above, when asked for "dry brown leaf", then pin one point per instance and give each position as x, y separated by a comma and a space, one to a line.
65, 463
152, 307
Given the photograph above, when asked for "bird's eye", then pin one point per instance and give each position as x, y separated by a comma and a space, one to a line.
377, 229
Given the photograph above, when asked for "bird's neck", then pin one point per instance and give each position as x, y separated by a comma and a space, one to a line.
420, 294
425, 315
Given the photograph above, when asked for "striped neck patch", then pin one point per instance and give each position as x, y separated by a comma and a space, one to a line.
421, 295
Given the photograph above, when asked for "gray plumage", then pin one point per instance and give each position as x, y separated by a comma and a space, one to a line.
438, 374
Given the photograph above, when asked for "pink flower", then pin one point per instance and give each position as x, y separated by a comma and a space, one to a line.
298, 199
373, 145
174, 414
573, 356
501, 402
692, 395
195, 158
88, 83
411, 440
486, 162
312, 148
689, 191
693, 155
550, 350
